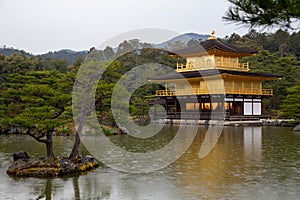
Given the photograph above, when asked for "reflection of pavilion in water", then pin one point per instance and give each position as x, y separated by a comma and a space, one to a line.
227, 162
252, 142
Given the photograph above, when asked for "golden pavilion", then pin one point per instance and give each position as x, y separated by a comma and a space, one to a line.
212, 80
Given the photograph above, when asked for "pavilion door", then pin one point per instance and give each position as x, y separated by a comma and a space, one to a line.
238, 108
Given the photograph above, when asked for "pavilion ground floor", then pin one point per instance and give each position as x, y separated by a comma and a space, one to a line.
208, 107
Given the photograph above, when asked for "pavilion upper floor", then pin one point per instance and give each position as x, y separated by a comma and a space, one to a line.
212, 62
206, 82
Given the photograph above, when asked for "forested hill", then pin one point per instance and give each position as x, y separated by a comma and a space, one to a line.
11, 50
283, 42
183, 39
69, 55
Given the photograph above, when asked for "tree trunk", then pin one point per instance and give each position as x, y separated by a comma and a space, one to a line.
75, 152
48, 189
49, 145
76, 188
47, 141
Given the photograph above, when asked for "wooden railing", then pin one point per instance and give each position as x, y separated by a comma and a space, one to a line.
185, 67
244, 66
165, 93
198, 91
268, 92
189, 67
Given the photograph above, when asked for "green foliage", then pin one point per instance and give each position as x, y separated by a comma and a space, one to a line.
57, 64
140, 108
246, 42
281, 41
67, 56
264, 12
290, 107
35, 100
19, 64
103, 95
41, 119
106, 131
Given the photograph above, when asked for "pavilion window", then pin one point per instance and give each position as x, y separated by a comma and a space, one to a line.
257, 107
192, 106
214, 106
205, 106
228, 106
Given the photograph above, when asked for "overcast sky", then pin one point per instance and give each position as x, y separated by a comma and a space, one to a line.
39, 26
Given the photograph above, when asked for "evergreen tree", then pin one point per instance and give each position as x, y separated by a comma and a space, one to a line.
282, 13
35, 101
290, 107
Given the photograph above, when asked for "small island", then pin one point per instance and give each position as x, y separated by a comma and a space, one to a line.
26, 166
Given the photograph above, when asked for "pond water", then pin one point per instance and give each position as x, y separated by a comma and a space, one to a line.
246, 163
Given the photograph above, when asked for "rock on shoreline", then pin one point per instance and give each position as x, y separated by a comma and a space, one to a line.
44, 167
297, 128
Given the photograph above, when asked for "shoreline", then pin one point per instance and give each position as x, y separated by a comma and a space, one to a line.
261, 122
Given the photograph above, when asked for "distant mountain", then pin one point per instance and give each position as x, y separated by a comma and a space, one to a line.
184, 38
9, 51
69, 55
